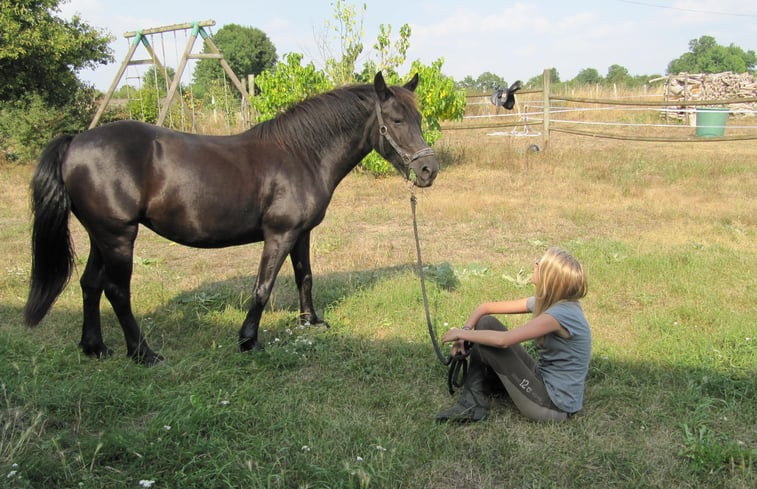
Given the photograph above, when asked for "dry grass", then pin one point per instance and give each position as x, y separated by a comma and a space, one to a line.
639, 214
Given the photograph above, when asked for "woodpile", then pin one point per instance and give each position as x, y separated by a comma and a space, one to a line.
713, 86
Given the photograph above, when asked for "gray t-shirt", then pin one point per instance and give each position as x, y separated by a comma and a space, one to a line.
564, 362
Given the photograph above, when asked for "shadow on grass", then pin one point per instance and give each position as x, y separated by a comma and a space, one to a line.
637, 416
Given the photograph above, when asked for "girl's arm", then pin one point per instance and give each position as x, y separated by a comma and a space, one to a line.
535, 328
517, 306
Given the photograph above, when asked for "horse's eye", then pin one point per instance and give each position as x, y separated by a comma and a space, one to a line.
397, 122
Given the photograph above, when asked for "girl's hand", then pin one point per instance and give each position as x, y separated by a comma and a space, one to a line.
451, 335
459, 349
454, 335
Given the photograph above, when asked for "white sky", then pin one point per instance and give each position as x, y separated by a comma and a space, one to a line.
515, 40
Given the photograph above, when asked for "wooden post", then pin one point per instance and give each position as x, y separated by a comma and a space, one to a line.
233, 77
251, 92
547, 89
114, 85
177, 76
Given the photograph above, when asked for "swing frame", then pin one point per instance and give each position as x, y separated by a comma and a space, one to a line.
140, 37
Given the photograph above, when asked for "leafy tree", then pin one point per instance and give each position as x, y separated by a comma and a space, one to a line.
247, 50
485, 82
391, 57
289, 82
707, 56
285, 85
348, 27
41, 53
143, 103
438, 98
468, 83
588, 76
538, 80
40, 56
618, 75
155, 79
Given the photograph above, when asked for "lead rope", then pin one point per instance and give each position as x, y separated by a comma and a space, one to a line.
458, 364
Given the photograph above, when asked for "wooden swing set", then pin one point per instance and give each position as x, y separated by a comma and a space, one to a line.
173, 85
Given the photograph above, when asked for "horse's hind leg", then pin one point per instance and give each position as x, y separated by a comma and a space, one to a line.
92, 288
117, 259
303, 277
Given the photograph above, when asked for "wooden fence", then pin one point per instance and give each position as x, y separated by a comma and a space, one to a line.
550, 104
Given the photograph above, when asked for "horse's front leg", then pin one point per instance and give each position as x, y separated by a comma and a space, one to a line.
275, 250
303, 277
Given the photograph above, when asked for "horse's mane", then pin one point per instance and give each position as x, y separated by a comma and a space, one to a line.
306, 125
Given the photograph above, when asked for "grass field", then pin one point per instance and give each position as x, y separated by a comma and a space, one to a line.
666, 232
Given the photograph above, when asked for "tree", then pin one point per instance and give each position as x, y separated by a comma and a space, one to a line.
707, 56
588, 76
40, 56
289, 82
538, 80
348, 26
391, 57
247, 50
286, 84
618, 75
42, 53
485, 82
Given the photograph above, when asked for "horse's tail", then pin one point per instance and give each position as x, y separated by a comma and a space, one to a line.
52, 251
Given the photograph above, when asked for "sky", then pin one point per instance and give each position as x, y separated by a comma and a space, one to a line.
511, 39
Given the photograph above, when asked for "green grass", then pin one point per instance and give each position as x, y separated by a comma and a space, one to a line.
671, 394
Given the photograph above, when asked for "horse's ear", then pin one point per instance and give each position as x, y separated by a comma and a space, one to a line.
380, 86
412, 84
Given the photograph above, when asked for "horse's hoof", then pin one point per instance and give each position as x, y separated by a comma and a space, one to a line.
314, 322
317, 324
250, 346
97, 351
148, 359
152, 360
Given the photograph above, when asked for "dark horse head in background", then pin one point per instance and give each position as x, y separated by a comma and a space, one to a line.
271, 183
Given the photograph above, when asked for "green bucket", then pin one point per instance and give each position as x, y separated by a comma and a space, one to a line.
711, 121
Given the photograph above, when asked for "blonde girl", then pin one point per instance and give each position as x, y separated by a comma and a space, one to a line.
547, 388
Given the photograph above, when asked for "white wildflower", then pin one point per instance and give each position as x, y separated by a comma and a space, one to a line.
166, 427
146, 483
360, 459
305, 448
380, 448
12, 474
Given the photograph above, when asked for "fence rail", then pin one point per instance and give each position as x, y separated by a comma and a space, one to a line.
548, 106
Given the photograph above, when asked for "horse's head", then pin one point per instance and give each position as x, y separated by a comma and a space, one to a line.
399, 124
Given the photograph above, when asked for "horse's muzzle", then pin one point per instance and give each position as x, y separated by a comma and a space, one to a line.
425, 169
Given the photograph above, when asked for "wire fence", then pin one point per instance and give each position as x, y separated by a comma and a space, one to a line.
631, 117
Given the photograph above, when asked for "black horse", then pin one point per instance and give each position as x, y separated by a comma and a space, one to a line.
271, 183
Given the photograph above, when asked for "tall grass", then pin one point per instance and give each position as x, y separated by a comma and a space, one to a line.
667, 235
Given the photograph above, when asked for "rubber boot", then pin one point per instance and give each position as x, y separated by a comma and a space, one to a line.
473, 404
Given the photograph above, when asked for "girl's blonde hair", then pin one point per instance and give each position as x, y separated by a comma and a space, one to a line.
561, 278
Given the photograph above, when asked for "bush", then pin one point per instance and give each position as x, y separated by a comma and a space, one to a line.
27, 124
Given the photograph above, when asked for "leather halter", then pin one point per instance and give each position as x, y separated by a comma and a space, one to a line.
407, 158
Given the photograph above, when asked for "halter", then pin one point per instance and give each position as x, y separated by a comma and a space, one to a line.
407, 158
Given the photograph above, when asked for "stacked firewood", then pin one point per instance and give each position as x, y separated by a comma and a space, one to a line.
713, 86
